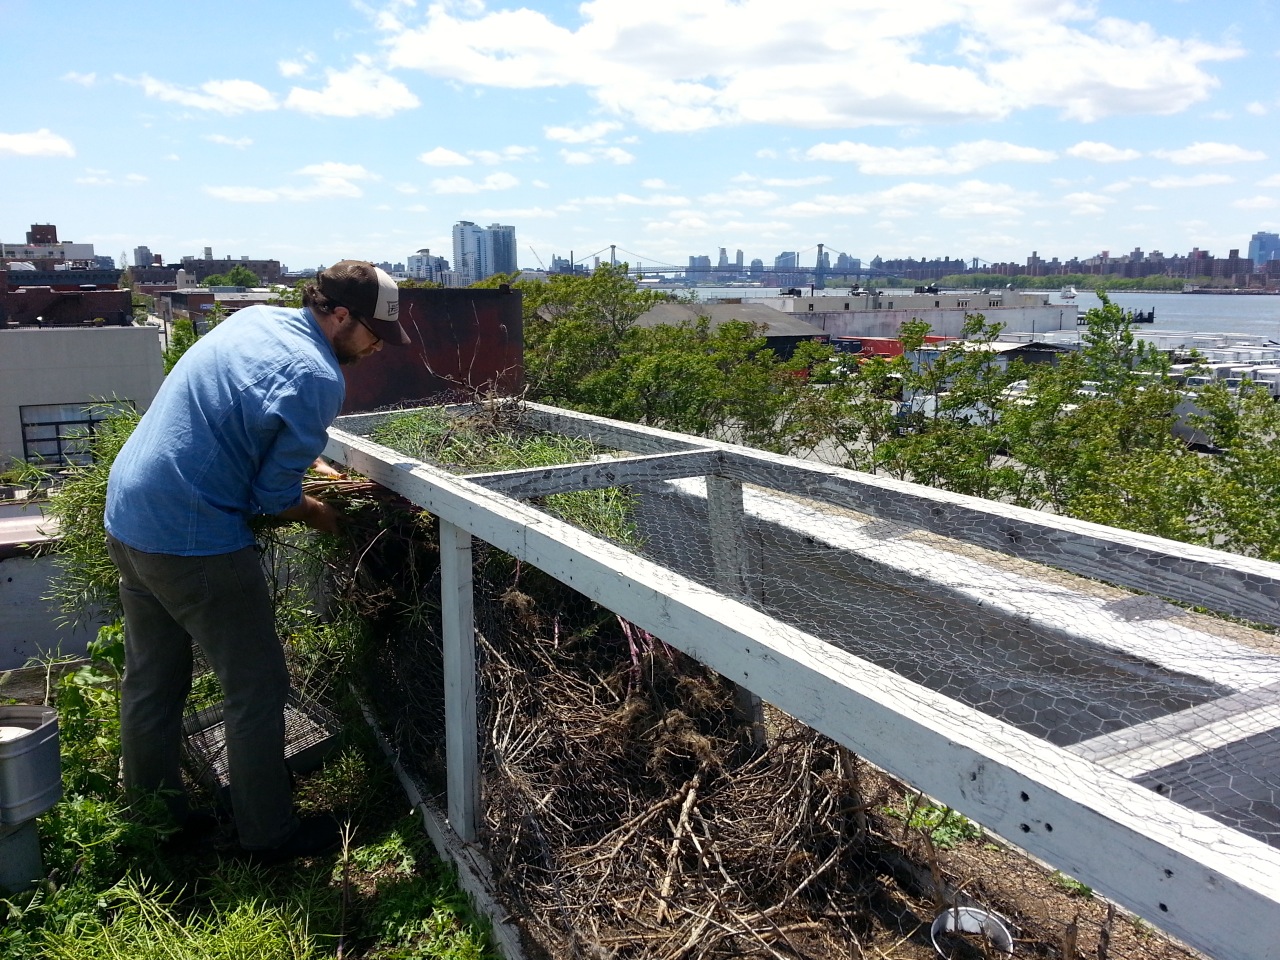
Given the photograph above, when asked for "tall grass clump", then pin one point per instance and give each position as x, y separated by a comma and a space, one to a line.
481, 443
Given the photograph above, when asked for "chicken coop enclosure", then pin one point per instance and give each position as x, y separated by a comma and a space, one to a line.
1107, 702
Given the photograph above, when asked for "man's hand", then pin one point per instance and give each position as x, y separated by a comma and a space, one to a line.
322, 468
314, 513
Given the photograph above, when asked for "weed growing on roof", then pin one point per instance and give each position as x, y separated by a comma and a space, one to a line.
88, 586
945, 828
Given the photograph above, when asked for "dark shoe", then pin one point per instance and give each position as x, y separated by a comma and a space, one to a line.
314, 836
200, 829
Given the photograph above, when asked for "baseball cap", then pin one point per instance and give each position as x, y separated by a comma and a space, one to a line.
369, 293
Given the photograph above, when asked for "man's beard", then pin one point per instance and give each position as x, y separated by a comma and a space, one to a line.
344, 346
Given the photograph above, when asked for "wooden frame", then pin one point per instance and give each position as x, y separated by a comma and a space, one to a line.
1208, 884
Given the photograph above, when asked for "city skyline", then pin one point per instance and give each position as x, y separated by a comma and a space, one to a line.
974, 128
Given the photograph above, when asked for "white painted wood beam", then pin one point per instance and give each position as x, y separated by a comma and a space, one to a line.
545, 481
461, 731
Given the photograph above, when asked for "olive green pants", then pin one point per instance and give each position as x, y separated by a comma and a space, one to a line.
223, 604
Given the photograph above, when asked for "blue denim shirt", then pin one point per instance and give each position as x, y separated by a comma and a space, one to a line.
230, 434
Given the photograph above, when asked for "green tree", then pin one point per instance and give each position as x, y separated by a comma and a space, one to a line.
290, 296
238, 276
954, 399
1093, 437
184, 335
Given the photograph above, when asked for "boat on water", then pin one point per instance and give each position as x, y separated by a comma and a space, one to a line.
1068, 293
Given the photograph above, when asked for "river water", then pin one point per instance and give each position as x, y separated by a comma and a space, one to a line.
1209, 313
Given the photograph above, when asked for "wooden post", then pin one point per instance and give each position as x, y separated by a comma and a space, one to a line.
461, 733
732, 557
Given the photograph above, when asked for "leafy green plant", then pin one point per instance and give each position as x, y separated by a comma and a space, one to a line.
87, 587
945, 828
1071, 885
88, 702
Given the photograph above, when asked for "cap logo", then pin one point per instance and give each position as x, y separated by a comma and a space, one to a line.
393, 309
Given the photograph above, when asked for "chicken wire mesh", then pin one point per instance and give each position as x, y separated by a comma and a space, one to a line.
630, 811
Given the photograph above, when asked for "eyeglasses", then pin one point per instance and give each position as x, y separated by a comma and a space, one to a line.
364, 324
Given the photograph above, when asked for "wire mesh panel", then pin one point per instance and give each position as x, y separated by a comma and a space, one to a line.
1052, 680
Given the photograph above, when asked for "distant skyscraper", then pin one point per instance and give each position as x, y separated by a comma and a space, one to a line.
142, 256
723, 264
468, 251
1264, 247
785, 260
737, 260
480, 252
502, 246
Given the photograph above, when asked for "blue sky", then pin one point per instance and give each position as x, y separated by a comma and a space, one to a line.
331, 129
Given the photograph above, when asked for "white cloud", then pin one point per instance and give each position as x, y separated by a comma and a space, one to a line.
1271, 181
494, 181
578, 158
1257, 109
238, 142
914, 161
444, 157
291, 68
588, 133
1084, 202
40, 143
630, 200
227, 97
781, 181
967, 199
1102, 152
243, 194
328, 181
347, 171
709, 63
505, 155
360, 91
617, 155
1206, 153
540, 184
739, 198
136, 178
406, 188
767, 153
654, 183
1256, 203
1145, 207
84, 79
1199, 180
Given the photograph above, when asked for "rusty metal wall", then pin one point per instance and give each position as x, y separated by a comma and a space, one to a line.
465, 343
